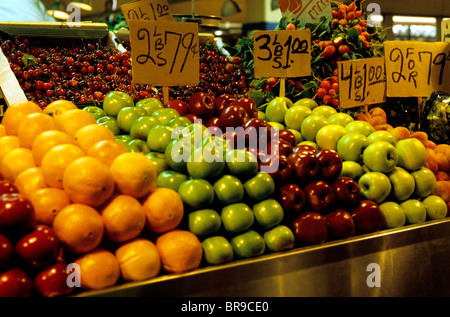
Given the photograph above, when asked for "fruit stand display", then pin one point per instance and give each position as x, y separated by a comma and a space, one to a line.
110, 190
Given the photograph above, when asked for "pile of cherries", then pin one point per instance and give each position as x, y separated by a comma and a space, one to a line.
85, 73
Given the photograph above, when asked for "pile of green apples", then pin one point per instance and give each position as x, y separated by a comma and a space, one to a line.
389, 172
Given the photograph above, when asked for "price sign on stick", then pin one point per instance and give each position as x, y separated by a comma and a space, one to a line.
147, 10
416, 69
361, 82
282, 54
164, 53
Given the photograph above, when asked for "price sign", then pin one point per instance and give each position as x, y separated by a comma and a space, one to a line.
416, 69
306, 11
164, 53
282, 53
154, 10
361, 82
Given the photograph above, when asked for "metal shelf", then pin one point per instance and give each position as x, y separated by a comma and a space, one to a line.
413, 261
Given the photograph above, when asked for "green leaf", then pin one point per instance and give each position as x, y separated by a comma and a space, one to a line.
353, 35
257, 96
28, 60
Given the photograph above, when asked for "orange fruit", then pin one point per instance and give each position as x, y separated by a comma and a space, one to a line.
32, 125
138, 260
45, 141
180, 251
90, 134
15, 113
15, 162
59, 106
87, 180
98, 269
7, 144
106, 151
47, 203
55, 162
79, 228
29, 181
133, 173
2, 130
124, 218
164, 210
72, 120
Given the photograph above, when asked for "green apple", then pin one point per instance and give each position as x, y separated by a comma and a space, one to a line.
380, 156
311, 143
311, 125
196, 193
412, 154
195, 133
178, 153
279, 238
351, 169
159, 161
205, 165
138, 145
95, 111
241, 163
159, 138
298, 135
323, 110
179, 122
237, 218
268, 213
248, 244
295, 115
425, 180
127, 116
403, 184
308, 102
328, 136
375, 186
171, 179
116, 100
415, 211
217, 250
436, 207
150, 105
261, 115
229, 189
393, 215
351, 147
165, 115
204, 222
259, 187
141, 127
276, 125
124, 138
340, 118
359, 126
276, 109
382, 135
215, 145
111, 123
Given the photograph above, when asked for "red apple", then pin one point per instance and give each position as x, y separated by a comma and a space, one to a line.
248, 105
330, 164
38, 248
347, 192
223, 101
180, 106
260, 128
306, 167
193, 117
232, 116
340, 224
320, 196
310, 227
287, 135
280, 147
6, 251
213, 122
202, 105
16, 215
293, 200
278, 168
304, 148
7, 186
52, 281
15, 283
367, 217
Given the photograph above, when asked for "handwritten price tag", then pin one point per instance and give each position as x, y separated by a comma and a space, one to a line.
154, 10
164, 53
361, 82
416, 69
282, 53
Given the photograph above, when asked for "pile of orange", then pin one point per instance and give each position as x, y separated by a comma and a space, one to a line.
99, 198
